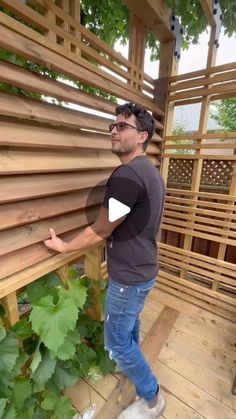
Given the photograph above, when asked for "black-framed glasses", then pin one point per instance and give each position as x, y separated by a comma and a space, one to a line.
121, 126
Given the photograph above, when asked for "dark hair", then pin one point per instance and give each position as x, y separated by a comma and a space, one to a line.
144, 119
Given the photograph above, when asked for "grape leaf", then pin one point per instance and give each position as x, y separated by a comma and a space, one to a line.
37, 358
22, 329
64, 409
76, 291
21, 391
2, 332
41, 288
3, 403
23, 357
53, 322
68, 348
9, 352
64, 376
50, 400
10, 412
44, 371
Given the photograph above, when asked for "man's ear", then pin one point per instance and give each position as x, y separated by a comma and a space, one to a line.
143, 137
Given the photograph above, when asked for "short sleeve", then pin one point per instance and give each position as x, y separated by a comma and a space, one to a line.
125, 186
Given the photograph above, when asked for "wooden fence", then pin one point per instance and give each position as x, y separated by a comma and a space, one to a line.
52, 156
198, 255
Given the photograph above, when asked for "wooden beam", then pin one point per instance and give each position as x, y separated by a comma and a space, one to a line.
124, 392
155, 15
207, 9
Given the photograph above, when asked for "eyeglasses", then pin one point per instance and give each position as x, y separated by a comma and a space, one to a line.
121, 126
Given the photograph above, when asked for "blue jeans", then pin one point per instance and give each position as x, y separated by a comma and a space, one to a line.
124, 304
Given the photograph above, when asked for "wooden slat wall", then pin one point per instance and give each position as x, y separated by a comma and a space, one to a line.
52, 155
198, 225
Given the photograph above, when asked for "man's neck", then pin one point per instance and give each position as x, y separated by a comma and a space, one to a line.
129, 157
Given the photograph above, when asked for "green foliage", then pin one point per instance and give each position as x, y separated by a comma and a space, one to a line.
48, 351
225, 114
179, 129
108, 19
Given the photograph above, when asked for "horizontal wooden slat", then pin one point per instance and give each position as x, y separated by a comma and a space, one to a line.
216, 270
196, 136
202, 194
207, 213
202, 146
16, 214
200, 156
215, 89
200, 220
20, 237
206, 204
16, 133
29, 80
170, 261
205, 81
55, 57
194, 233
18, 106
21, 187
199, 291
204, 72
27, 161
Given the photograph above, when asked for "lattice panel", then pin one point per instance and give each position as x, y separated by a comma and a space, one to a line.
180, 171
217, 172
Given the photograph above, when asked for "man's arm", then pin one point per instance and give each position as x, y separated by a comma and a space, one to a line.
90, 236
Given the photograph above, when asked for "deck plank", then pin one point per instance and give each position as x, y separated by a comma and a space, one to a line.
191, 394
124, 392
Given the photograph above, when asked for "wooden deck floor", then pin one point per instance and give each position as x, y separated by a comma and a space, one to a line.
194, 367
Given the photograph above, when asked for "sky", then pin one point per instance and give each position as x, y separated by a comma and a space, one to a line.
195, 57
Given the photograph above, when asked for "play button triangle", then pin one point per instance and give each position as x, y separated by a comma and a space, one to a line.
116, 209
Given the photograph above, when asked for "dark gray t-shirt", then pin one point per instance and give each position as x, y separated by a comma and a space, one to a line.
132, 249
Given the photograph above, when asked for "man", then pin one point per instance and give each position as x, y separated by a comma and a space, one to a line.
131, 252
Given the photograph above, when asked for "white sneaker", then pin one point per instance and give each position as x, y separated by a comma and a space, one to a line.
140, 410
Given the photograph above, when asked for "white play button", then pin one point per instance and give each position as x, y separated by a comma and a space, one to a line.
116, 209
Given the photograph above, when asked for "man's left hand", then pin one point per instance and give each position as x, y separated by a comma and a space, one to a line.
55, 242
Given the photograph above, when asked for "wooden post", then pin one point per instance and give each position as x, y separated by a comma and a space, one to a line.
92, 269
63, 273
137, 45
11, 308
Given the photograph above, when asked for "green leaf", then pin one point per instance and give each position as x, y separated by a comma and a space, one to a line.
3, 403
64, 409
37, 358
65, 375
76, 291
42, 287
2, 332
68, 348
53, 322
23, 358
104, 362
22, 329
21, 391
44, 371
50, 400
85, 356
9, 352
10, 412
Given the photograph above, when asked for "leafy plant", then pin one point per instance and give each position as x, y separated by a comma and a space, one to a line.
48, 351
225, 114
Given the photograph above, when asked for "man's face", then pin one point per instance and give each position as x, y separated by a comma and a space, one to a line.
127, 141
